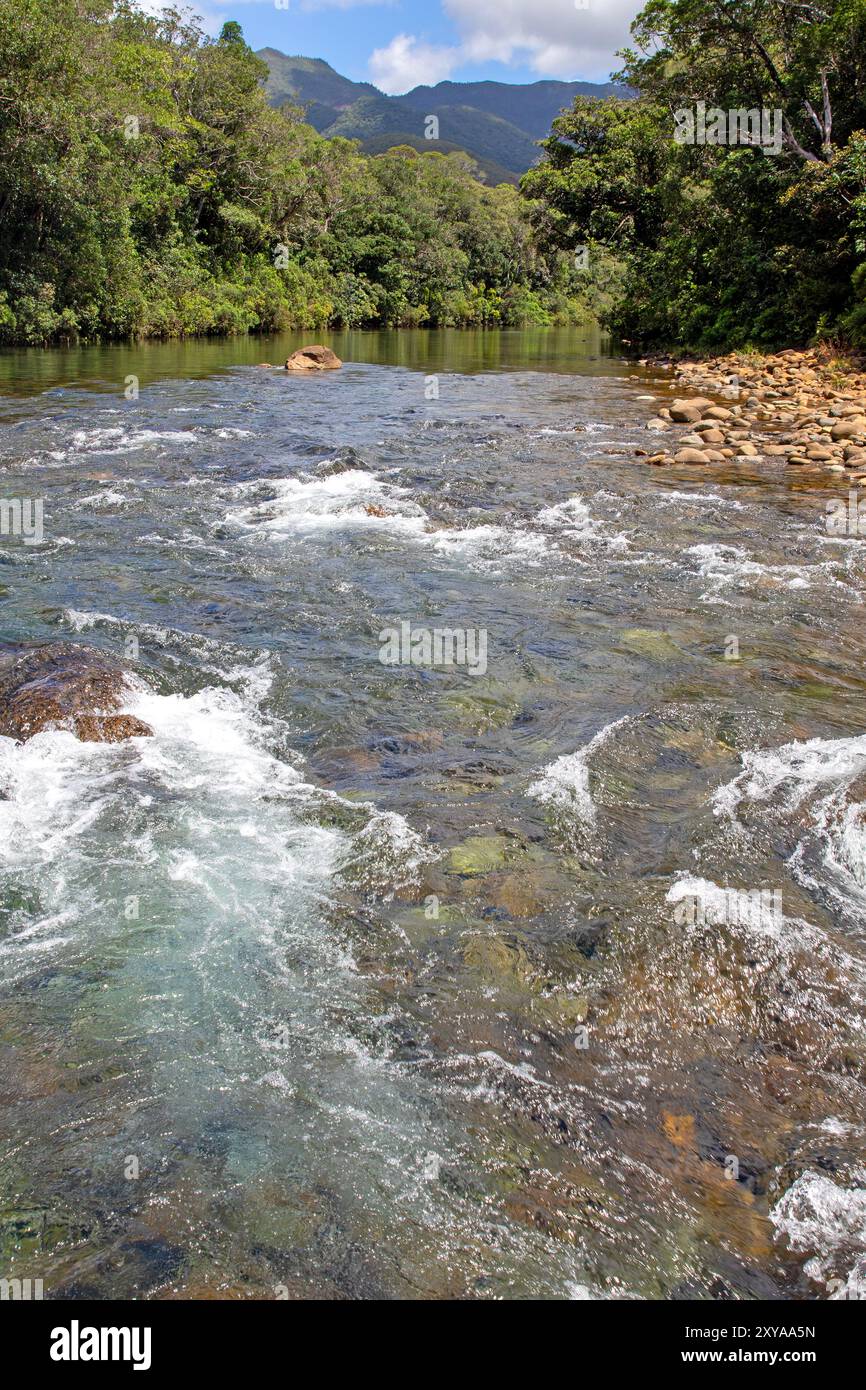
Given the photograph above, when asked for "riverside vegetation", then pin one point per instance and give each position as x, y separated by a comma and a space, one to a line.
723, 245
148, 189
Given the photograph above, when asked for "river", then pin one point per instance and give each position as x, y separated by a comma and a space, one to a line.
373, 979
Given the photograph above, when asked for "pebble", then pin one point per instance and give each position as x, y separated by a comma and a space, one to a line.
800, 408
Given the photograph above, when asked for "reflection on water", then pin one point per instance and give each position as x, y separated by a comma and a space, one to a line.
369, 980
426, 350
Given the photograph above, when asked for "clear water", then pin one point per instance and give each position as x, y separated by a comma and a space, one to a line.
374, 975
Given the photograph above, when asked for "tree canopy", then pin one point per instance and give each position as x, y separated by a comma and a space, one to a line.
147, 188
729, 243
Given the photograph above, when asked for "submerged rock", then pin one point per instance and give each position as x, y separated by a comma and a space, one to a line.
344, 461
62, 685
313, 359
480, 854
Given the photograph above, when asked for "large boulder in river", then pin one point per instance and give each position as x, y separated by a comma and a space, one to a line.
346, 460
61, 685
313, 359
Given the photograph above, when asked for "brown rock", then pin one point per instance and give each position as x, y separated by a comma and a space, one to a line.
685, 413
680, 1129
61, 685
846, 429
313, 359
109, 728
690, 456
516, 895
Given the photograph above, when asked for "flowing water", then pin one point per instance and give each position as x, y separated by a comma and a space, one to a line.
420, 980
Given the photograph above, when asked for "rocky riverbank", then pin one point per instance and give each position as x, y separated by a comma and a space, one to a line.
798, 409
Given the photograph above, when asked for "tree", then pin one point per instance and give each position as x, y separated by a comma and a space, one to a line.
722, 244
146, 187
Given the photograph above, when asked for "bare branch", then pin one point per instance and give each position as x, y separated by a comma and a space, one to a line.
811, 110
751, 37
793, 143
828, 111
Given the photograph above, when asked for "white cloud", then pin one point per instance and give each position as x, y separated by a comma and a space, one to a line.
555, 38
407, 62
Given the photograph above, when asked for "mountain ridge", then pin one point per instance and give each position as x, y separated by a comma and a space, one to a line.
497, 123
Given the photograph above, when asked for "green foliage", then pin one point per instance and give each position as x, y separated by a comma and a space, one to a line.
722, 245
147, 188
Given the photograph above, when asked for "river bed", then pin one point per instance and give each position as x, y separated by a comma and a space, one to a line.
537, 976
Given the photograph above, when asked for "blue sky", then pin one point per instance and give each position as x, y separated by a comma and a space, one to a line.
400, 43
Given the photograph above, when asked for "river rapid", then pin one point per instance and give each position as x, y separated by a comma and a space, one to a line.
541, 976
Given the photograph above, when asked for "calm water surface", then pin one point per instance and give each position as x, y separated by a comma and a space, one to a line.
381, 981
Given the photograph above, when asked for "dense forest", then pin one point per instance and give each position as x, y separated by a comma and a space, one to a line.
724, 243
147, 188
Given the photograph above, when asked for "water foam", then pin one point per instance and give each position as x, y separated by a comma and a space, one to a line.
820, 1216
564, 784
793, 773
204, 803
573, 519
831, 856
729, 567
804, 989
488, 546
116, 440
338, 502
